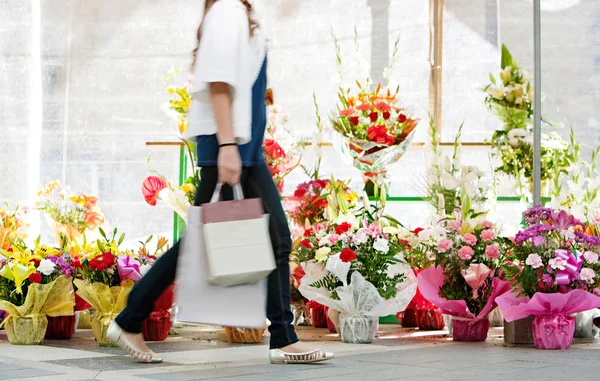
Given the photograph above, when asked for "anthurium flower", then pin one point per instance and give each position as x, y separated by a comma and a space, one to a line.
18, 273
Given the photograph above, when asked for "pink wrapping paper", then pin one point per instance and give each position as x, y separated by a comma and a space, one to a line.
514, 307
470, 330
432, 278
553, 331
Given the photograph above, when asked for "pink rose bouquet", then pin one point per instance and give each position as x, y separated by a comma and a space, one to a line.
554, 273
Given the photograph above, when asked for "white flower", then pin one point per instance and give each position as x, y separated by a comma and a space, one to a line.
391, 230
506, 74
322, 254
513, 142
46, 267
557, 263
349, 218
381, 245
497, 91
449, 181
534, 260
590, 257
587, 275
361, 236
177, 199
567, 234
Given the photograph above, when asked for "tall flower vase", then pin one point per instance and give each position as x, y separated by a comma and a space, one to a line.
157, 326
553, 331
470, 330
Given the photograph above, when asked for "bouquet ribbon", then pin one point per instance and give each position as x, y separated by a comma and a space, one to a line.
475, 276
572, 268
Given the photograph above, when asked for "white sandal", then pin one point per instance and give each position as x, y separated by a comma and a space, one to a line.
278, 356
115, 334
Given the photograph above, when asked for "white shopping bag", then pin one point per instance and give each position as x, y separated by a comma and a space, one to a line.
199, 302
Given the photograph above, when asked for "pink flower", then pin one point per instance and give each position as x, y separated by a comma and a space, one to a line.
492, 252
488, 235
557, 263
534, 261
333, 239
547, 278
587, 275
454, 225
590, 257
487, 225
348, 112
445, 245
465, 253
470, 239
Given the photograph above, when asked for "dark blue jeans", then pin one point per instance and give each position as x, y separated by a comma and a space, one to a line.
257, 183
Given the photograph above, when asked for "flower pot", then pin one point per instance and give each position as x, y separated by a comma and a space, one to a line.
100, 324
157, 326
519, 331
430, 320
553, 331
61, 327
317, 311
28, 330
357, 329
330, 325
85, 319
408, 318
244, 335
470, 330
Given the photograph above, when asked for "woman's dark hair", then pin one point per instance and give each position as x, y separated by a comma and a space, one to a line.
207, 5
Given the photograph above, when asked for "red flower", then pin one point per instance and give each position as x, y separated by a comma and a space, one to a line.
386, 115
374, 116
354, 120
36, 262
35, 278
417, 231
347, 112
102, 262
273, 149
300, 193
379, 134
343, 228
401, 118
307, 233
76, 263
347, 255
365, 107
305, 243
298, 274
150, 188
320, 184
383, 106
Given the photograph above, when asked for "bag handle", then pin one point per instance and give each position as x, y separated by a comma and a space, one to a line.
238, 193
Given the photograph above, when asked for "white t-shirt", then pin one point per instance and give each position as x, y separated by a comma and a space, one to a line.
226, 54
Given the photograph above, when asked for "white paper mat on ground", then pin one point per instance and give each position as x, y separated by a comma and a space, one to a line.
201, 303
359, 297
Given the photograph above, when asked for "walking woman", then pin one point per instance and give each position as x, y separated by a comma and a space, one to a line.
227, 119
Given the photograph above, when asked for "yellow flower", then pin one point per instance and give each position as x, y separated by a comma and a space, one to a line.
43, 251
183, 125
171, 90
162, 241
188, 188
322, 254
17, 273
391, 230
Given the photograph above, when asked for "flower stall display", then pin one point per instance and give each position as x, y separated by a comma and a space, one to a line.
510, 98
554, 274
374, 131
70, 215
13, 225
34, 285
454, 189
466, 278
104, 277
353, 265
280, 147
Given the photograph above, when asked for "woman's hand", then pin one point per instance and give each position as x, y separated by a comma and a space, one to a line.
229, 165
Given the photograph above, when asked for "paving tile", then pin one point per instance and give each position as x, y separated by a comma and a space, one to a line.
107, 363
17, 374
5, 367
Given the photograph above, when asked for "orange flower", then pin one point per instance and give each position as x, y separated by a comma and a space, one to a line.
93, 218
383, 106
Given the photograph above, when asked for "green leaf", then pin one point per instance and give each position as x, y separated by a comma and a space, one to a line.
102, 233
149, 239
121, 239
492, 79
507, 58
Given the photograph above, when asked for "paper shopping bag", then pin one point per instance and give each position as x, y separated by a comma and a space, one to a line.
199, 302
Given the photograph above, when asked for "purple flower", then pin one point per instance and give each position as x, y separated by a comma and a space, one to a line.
547, 278
532, 232
537, 214
586, 240
564, 220
63, 266
539, 240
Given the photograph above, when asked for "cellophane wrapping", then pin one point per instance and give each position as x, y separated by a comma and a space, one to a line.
553, 331
357, 329
470, 330
61, 327
26, 324
244, 335
108, 302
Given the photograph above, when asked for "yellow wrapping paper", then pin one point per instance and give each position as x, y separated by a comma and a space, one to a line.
85, 319
68, 231
108, 302
26, 324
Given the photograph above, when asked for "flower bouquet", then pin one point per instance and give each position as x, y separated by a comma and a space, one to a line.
33, 286
510, 97
104, 277
69, 215
12, 226
466, 278
281, 150
554, 274
353, 265
374, 131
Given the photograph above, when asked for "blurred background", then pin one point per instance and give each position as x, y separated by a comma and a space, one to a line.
81, 88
